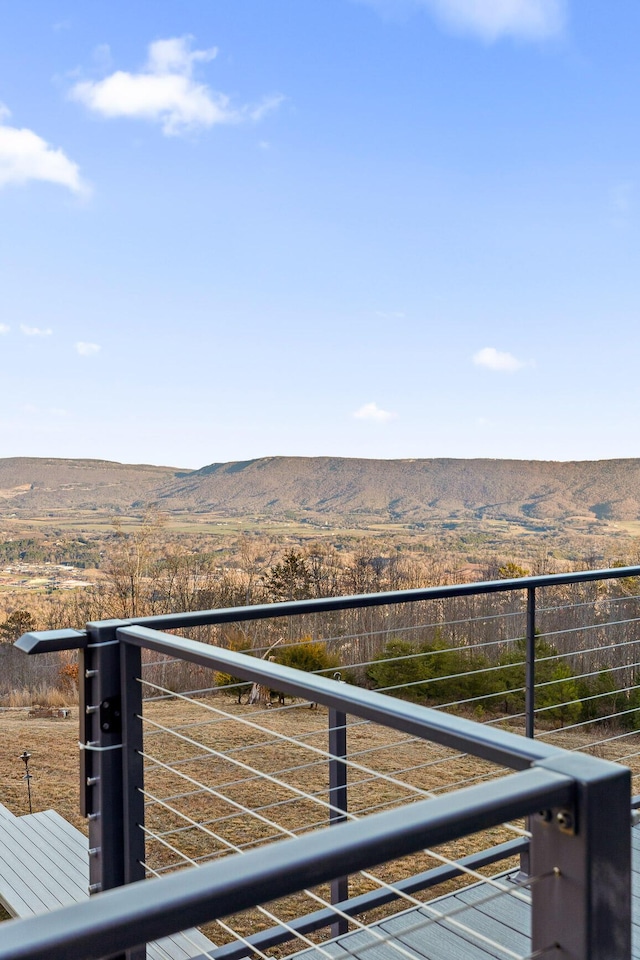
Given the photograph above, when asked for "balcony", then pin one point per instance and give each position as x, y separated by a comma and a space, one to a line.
476, 803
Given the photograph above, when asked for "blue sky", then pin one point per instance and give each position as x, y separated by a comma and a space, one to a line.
370, 228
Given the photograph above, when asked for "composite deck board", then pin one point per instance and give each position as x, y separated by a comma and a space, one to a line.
511, 912
436, 939
24, 857
502, 920
44, 864
180, 946
69, 850
57, 826
467, 917
441, 944
16, 893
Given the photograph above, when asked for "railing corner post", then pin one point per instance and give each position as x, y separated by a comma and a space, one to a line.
581, 864
101, 746
106, 788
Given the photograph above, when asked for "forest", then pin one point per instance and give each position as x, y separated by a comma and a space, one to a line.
467, 651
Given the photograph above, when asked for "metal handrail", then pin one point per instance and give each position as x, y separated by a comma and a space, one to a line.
570, 844
120, 919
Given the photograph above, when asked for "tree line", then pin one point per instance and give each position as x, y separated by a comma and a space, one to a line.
465, 650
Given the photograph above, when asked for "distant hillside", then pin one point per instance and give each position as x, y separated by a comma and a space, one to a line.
33, 486
414, 490
411, 491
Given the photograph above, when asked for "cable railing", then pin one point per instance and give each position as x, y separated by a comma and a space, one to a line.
200, 758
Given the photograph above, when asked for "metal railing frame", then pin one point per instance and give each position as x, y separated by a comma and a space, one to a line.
112, 768
580, 911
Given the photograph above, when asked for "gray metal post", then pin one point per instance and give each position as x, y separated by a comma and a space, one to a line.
581, 865
102, 749
133, 764
132, 772
102, 787
530, 664
529, 696
338, 799
101, 758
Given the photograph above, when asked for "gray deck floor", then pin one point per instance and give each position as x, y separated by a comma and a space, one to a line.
5, 813
44, 865
503, 920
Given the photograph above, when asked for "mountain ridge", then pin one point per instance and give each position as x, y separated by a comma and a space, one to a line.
411, 490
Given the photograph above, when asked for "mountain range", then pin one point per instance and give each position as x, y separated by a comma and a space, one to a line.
321, 488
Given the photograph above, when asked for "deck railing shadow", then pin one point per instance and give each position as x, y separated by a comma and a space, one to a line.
269, 802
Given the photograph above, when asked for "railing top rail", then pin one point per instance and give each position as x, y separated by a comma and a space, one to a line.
143, 911
44, 641
480, 740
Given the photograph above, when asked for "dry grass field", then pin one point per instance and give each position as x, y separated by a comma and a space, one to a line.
245, 776
221, 777
53, 745
248, 776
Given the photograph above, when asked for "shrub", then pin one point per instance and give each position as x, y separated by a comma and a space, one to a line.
429, 672
68, 674
221, 679
398, 670
305, 654
433, 673
556, 688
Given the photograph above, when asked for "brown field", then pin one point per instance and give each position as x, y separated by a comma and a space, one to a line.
52, 744
221, 755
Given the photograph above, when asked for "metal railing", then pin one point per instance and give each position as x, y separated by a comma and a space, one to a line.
579, 871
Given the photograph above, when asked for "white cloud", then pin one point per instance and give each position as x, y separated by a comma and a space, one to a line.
35, 331
266, 105
490, 19
4, 328
494, 359
165, 92
25, 156
371, 411
87, 349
